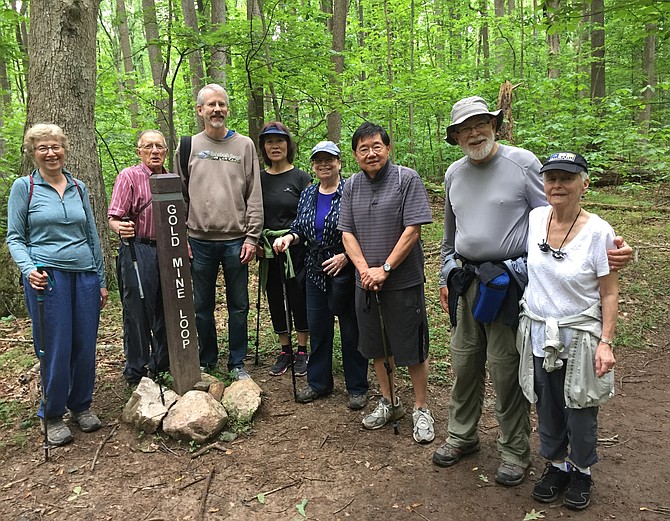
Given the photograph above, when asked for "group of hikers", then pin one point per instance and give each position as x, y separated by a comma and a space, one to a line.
528, 279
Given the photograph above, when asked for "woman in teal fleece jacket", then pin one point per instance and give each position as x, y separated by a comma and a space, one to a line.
52, 237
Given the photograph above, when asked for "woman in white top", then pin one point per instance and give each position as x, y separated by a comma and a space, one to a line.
567, 323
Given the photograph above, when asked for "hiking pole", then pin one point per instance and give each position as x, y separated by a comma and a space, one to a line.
258, 313
387, 361
282, 275
40, 354
130, 241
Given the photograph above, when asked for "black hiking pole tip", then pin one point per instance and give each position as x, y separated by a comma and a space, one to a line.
40, 313
387, 362
258, 313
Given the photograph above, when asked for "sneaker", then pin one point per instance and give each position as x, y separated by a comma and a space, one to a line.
448, 455
87, 421
551, 484
578, 494
308, 394
357, 401
424, 428
509, 474
240, 373
281, 365
57, 432
300, 363
384, 413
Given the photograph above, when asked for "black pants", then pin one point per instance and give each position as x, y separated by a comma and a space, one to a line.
143, 319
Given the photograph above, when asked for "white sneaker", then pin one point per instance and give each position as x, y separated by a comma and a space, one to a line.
240, 373
424, 425
383, 414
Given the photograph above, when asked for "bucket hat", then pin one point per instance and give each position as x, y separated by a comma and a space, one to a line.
467, 108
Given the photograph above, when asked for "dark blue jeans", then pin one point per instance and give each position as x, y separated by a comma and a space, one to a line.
321, 333
71, 317
207, 257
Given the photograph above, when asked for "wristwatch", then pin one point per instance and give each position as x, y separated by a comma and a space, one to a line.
608, 342
387, 267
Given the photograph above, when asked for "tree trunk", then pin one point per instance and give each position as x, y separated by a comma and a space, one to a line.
483, 54
339, 26
389, 71
61, 90
553, 41
195, 56
128, 84
157, 68
582, 47
255, 112
649, 80
597, 49
219, 58
500, 45
412, 148
22, 41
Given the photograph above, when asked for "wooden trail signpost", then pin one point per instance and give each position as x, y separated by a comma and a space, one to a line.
175, 273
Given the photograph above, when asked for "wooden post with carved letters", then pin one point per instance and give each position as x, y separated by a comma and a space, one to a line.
175, 273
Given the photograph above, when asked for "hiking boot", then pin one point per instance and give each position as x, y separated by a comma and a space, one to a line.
424, 428
551, 484
57, 432
282, 364
357, 401
240, 373
509, 474
384, 413
448, 455
578, 494
300, 363
87, 421
308, 394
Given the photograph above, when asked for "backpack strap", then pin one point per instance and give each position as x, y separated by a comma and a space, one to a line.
184, 156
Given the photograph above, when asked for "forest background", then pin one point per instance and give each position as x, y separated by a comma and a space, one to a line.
589, 76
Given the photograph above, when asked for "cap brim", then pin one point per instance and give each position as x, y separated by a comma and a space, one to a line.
495, 114
564, 166
273, 131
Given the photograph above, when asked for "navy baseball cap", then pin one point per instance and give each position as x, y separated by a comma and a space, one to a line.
273, 130
566, 161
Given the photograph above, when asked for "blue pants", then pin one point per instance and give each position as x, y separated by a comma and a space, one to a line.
321, 333
207, 257
71, 317
143, 320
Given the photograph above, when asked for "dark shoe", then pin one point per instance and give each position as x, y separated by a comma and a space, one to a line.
552, 483
282, 364
509, 474
578, 494
87, 421
357, 401
448, 455
308, 394
57, 432
300, 363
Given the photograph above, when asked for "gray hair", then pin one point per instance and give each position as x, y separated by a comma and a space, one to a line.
150, 131
200, 99
44, 132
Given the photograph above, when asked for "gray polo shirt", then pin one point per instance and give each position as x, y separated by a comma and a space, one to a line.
377, 211
486, 206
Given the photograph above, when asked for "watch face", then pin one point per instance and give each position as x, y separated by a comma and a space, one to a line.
387, 267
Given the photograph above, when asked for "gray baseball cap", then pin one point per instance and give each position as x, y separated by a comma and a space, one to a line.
326, 146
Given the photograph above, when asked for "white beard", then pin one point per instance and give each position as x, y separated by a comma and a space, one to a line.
481, 152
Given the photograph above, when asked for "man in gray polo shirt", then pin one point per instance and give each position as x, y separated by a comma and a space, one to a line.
382, 210
489, 194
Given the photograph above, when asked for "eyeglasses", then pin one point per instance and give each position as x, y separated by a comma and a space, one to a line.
376, 148
324, 160
556, 254
42, 149
150, 147
479, 127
